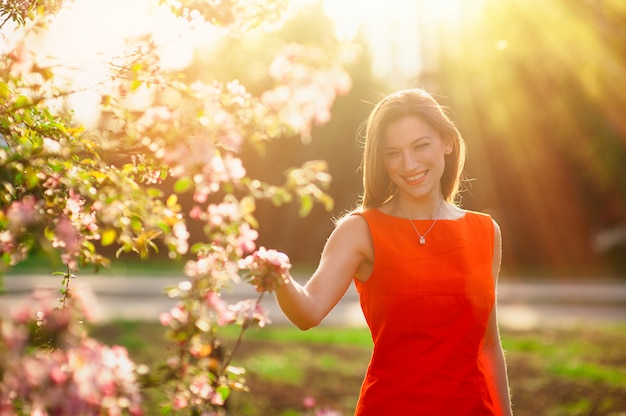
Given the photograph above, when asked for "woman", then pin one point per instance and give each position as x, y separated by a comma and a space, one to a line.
425, 270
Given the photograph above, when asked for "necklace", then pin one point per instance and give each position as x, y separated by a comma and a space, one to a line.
422, 237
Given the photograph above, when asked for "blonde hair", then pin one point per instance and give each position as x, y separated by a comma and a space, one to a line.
378, 187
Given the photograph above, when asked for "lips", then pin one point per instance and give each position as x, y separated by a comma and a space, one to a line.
417, 178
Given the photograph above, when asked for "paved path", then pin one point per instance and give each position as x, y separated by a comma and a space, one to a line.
522, 304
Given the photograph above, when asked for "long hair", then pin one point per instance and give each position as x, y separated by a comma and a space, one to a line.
378, 187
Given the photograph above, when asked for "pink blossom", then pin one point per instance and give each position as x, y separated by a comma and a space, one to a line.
309, 402
224, 314
12, 336
201, 387
152, 116
225, 168
327, 412
197, 213
23, 213
22, 60
52, 182
219, 214
180, 402
181, 236
234, 167
84, 299
180, 314
265, 269
304, 96
165, 319
173, 361
58, 376
202, 267
245, 242
38, 305
250, 312
68, 239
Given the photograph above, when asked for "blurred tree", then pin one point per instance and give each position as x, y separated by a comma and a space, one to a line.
336, 142
158, 134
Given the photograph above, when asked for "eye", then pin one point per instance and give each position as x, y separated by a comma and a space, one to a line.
391, 154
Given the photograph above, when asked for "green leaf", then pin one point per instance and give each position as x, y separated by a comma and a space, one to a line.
154, 192
135, 84
327, 200
49, 233
123, 249
89, 246
108, 237
248, 205
223, 391
251, 220
183, 185
306, 205
172, 200
21, 102
4, 90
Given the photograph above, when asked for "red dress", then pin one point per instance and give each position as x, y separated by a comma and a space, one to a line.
427, 307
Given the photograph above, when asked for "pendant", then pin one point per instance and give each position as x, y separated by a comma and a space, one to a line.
422, 240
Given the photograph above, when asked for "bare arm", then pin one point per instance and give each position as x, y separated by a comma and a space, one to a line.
344, 251
493, 354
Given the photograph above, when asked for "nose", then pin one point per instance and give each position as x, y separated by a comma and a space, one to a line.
408, 160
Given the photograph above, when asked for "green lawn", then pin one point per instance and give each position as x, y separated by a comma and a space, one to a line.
552, 372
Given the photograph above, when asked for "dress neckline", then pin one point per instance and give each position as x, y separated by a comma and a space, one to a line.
465, 214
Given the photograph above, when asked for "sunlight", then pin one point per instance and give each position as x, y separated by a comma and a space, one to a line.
526, 89
398, 32
351, 15
446, 13
105, 27
85, 37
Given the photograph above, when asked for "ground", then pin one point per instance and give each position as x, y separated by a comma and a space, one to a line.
551, 373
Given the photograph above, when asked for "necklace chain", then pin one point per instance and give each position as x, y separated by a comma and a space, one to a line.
422, 237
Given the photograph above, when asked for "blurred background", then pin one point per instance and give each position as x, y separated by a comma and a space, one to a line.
537, 89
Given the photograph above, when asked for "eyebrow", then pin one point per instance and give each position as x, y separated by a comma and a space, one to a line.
414, 141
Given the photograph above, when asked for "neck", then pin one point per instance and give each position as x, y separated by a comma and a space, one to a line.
428, 210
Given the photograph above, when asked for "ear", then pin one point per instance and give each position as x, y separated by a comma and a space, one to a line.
447, 148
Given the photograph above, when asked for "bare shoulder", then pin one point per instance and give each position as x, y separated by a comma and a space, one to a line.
351, 242
352, 225
455, 212
352, 233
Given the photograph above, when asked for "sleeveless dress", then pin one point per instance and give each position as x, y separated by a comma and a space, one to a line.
427, 307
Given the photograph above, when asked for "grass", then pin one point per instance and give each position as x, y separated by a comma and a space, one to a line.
40, 263
552, 372
579, 372
343, 336
128, 265
584, 354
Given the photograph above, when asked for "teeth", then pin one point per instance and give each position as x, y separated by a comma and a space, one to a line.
416, 177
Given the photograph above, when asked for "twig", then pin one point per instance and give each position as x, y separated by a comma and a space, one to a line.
233, 351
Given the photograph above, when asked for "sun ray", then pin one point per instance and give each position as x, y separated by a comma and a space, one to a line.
541, 87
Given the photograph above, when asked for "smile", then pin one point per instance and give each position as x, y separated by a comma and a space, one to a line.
417, 177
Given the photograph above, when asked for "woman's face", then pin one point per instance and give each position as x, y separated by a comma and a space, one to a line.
414, 157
